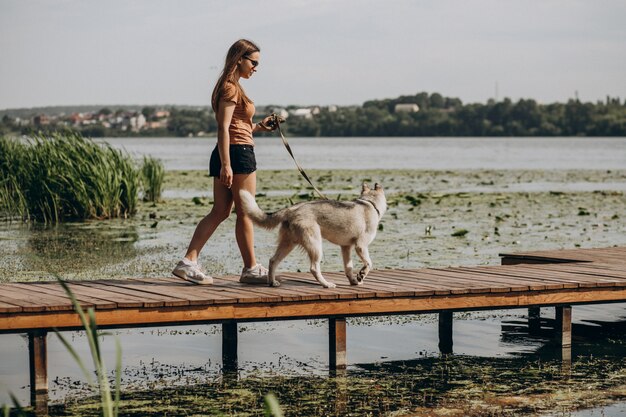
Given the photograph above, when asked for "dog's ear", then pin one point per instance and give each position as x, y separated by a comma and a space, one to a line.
377, 186
365, 187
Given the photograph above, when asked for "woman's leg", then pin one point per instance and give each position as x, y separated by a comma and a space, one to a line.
222, 205
244, 230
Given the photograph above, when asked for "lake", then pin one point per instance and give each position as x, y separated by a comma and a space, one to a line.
396, 153
380, 349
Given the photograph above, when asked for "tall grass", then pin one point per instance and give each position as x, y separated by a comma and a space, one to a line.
110, 404
153, 173
63, 176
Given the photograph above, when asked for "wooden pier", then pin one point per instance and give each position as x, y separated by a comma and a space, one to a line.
558, 279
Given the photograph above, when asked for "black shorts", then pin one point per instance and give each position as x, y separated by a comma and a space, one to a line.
242, 160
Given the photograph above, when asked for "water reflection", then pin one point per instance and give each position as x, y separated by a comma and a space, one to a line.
73, 248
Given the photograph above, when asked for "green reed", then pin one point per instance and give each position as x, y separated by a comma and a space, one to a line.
153, 173
63, 176
108, 401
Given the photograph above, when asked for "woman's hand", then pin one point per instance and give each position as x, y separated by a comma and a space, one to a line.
226, 175
269, 123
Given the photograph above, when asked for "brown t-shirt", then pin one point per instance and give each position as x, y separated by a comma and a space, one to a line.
241, 125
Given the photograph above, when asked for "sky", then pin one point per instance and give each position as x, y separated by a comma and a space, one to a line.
343, 52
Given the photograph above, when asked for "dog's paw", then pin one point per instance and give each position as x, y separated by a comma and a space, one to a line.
275, 284
354, 282
330, 285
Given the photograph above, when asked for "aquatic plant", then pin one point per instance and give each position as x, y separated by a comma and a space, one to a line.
63, 176
110, 405
12, 153
152, 174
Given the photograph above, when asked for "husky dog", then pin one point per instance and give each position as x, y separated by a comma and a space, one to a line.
345, 223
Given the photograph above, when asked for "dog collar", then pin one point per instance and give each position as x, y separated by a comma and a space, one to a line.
372, 204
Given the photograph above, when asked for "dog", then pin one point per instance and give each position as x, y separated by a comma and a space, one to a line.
349, 224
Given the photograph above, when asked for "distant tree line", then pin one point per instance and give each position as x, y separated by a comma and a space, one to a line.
444, 116
437, 116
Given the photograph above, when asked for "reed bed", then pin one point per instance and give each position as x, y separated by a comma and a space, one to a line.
64, 176
153, 174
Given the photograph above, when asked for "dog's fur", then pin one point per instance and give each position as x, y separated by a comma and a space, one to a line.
345, 223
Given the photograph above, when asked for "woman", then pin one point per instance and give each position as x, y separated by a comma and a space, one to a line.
232, 165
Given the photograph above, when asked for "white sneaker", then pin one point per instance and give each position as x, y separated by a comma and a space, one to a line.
255, 275
191, 272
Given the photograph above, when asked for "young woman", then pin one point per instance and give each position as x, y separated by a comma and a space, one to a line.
232, 166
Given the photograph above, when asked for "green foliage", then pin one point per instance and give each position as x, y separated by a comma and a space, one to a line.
445, 116
63, 176
271, 406
437, 116
153, 173
187, 122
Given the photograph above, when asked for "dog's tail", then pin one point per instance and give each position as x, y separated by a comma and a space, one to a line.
258, 216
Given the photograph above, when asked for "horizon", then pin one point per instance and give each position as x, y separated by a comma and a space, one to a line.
64, 52
157, 105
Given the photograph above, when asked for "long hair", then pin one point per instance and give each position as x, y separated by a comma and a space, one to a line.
237, 51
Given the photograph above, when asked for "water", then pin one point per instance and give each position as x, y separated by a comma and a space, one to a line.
397, 153
155, 357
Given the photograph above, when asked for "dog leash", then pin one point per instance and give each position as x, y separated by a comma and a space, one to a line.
276, 121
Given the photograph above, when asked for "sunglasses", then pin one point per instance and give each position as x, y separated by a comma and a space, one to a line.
254, 63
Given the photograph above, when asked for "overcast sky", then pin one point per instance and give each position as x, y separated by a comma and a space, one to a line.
67, 52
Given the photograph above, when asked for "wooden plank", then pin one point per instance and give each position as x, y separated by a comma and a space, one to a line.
515, 271
24, 306
554, 273
148, 298
419, 288
57, 290
473, 279
313, 309
415, 288
282, 293
430, 282
534, 282
495, 281
140, 290
121, 300
34, 302
604, 277
449, 284
183, 292
602, 274
199, 297
343, 292
9, 308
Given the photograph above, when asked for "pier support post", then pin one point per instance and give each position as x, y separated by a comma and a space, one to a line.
337, 342
534, 321
563, 334
445, 332
38, 361
229, 346
563, 326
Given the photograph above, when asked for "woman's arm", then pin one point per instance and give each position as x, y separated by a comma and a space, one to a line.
224, 117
